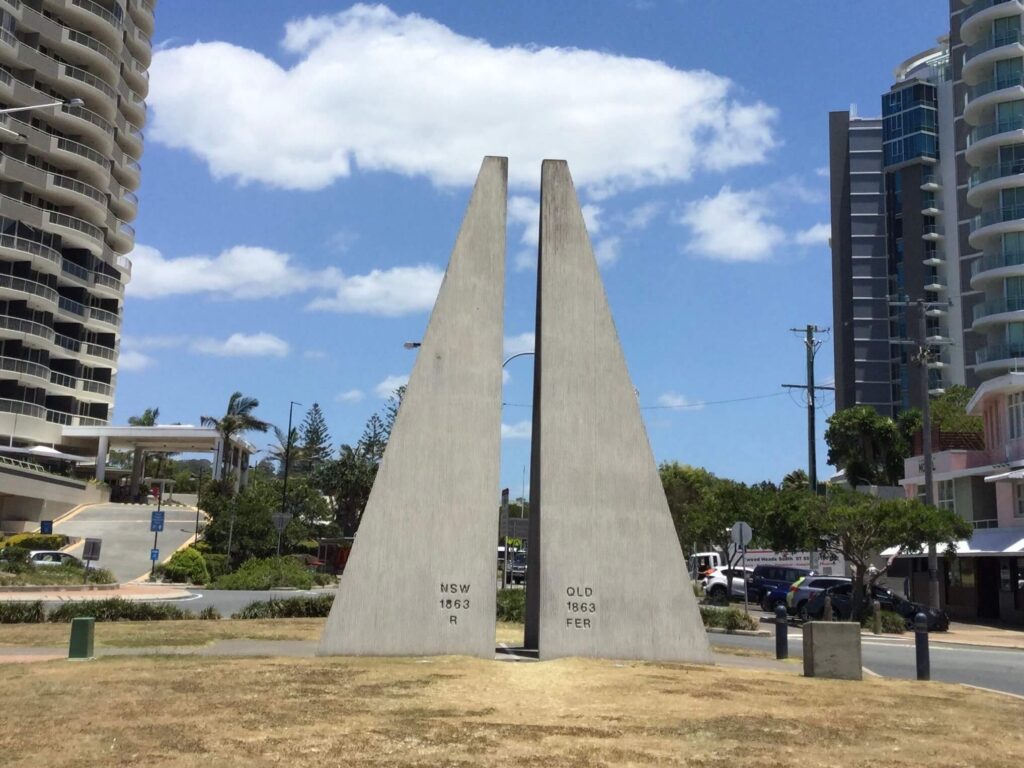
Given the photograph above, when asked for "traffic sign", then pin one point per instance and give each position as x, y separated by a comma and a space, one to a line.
92, 549
281, 520
741, 534
46, 527
154, 555
156, 521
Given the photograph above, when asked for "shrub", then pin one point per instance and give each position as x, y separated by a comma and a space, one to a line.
22, 613
289, 608
116, 609
14, 559
892, 622
269, 573
209, 613
216, 565
511, 605
729, 619
187, 565
37, 541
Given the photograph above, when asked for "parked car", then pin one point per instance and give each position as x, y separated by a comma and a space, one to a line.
842, 606
769, 584
517, 568
716, 583
52, 557
803, 589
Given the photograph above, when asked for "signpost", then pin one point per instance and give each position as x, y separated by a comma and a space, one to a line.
156, 524
281, 520
741, 536
504, 534
46, 527
90, 553
154, 555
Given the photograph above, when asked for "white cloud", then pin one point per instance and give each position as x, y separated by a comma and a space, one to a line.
642, 216
525, 261
243, 345
450, 99
133, 360
519, 431
823, 171
607, 251
387, 388
675, 400
524, 342
387, 292
819, 234
506, 377
352, 396
242, 272
732, 226
314, 354
525, 211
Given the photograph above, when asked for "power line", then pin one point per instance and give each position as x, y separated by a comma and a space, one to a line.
700, 404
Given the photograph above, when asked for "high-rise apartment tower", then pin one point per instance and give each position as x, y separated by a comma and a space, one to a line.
67, 175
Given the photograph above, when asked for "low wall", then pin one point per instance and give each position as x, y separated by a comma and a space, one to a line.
28, 496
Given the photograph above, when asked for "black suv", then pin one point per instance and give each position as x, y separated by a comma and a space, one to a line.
767, 579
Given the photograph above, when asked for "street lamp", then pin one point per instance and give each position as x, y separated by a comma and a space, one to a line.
287, 460
199, 496
12, 110
418, 344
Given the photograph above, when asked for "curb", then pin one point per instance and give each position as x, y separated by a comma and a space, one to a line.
745, 632
61, 588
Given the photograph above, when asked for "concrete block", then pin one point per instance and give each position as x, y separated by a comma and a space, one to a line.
421, 576
606, 576
832, 649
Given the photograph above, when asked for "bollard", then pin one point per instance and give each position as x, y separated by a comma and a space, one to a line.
876, 617
81, 643
827, 615
924, 666
781, 633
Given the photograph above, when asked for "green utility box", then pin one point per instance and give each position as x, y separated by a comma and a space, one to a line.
82, 631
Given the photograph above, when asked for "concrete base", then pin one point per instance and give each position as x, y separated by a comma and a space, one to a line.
832, 649
421, 579
606, 577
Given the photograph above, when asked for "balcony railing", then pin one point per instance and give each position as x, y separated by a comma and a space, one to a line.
994, 352
989, 522
999, 215
98, 10
76, 271
20, 325
25, 245
66, 342
993, 41
103, 352
107, 281
90, 117
71, 222
76, 148
63, 380
22, 408
997, 261
72, 306
977, 6
998, 126
74, 185
60, 417
88, 385
997, 83
999, 306
90, 42
27, 367
996, 171
22, 285
104, 316
90, 79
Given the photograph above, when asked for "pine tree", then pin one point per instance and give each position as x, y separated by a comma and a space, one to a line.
374, 439
391, 411
315, 440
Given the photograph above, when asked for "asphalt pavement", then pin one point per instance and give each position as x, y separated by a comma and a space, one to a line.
127, 540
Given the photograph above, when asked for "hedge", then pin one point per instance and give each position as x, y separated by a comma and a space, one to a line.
511, 605
186, 566
116, 609
269, 573
22, 613
36, 541
289, 608
726, 618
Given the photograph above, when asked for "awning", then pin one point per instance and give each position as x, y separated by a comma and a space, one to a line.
993, 541
1016, 474
44, 452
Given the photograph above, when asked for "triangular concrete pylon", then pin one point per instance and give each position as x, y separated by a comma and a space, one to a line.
421, 576
606, 576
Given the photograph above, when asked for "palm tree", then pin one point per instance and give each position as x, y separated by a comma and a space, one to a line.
147, 419
234, 422
287, 448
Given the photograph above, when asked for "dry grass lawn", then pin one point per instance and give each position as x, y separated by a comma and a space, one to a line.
190, 711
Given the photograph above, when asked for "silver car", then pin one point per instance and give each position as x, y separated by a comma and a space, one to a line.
52, 557
803, 590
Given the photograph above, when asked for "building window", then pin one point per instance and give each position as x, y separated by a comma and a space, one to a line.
961, 572
1018, 507
1015, 410
947, 495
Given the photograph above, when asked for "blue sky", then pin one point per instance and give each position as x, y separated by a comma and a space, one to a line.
307, 165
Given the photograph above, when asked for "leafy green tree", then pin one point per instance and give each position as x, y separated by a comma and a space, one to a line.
148, 418
949, 411
796, 480
685, 488
858, 526
237, 419
315, 439
391, 411
348, 481
374, 439
869, 447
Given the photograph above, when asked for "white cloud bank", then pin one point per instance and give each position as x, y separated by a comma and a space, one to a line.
243, 345
732, 226
819, 234
133, 360
372, 89
387, 388
677, 401
351, 396
521, 430
246, 272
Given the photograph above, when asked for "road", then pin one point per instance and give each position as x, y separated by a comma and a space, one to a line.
127, 540
228, 601
998, 669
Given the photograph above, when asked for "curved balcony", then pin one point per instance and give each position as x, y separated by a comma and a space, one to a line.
67, 344
71, 270
77, 232
143, 15
22, 408
94, 391
124, 203
73, 309
24, 369
120, 235
125, 265
1000, 310
996, 356
93, 89
110, 286
990, 49
20, 326
138, 42
992, 178
988, 93
127, 172
935, 260
81, 120
129, 137
105, 318
995, 222
136, 75
977, 16
62, 381
36, 294
47, 259
987, 138
935, 283
82, 158
91, 49
932, 233
994, 266
132, 105
87, 13
930, 182
76, 192
97, 352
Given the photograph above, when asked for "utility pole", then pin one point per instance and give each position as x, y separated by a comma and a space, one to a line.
813, 345
287, 459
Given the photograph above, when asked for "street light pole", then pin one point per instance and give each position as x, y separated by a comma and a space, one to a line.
287, 460
924, 356
199, 496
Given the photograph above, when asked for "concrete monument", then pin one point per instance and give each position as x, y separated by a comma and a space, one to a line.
606, 576
421, 576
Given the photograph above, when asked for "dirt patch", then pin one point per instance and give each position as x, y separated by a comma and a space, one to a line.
198, 711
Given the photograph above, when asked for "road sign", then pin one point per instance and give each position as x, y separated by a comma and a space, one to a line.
281, 520
741, 534
504, 497
46, 527
519, 528
156, 521
154, 555
92, 549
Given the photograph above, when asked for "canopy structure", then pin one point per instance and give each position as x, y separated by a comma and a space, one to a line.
992, 542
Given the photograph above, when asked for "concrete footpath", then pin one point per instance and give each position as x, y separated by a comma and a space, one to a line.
63, 594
